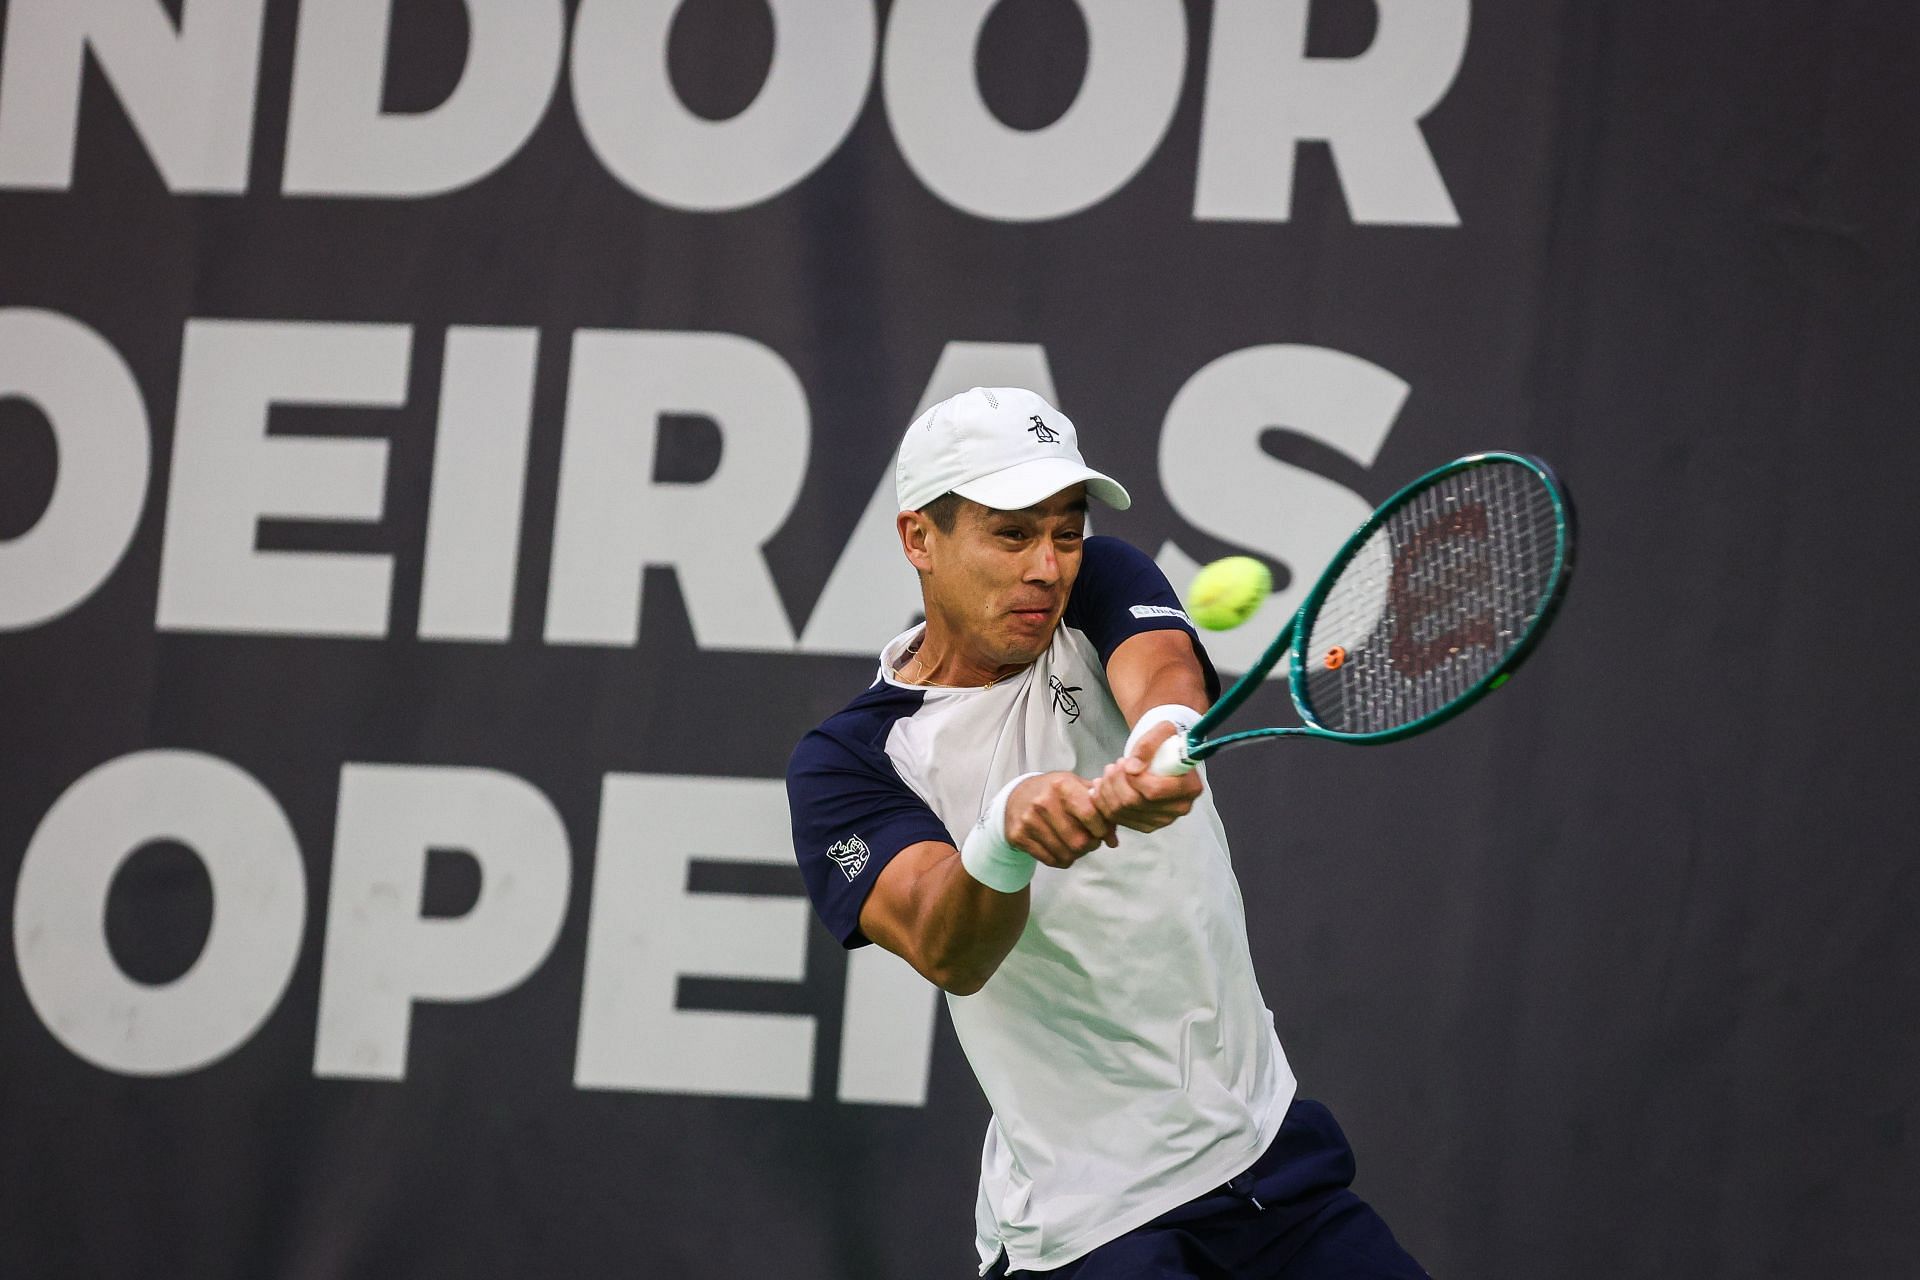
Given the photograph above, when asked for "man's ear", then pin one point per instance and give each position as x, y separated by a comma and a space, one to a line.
916, 537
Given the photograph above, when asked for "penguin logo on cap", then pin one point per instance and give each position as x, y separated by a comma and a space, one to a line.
1041, 431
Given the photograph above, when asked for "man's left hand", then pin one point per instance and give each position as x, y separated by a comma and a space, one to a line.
1131, 795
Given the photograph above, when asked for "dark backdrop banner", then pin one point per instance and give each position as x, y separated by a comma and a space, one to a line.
444, 462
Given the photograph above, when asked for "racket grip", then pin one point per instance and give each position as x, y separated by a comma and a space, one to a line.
1170, 761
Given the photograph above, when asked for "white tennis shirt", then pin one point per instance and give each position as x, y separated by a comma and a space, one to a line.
1123, 1044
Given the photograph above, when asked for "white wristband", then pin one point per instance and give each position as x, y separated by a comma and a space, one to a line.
1182, 718
987, 854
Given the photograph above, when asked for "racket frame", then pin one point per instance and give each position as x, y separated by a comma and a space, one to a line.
1198, 746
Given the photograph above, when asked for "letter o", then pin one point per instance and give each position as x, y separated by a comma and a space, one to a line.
1136, 60
239, 832
649, 140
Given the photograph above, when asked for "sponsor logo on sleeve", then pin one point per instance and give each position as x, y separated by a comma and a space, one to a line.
850, 855
1160, 611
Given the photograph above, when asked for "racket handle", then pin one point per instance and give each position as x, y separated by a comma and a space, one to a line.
1170, 761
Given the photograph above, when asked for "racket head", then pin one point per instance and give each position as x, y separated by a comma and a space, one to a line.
1435, 601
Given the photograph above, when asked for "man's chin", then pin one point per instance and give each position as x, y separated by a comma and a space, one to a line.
1025, 640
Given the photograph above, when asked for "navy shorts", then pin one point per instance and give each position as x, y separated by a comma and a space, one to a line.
1290, 1216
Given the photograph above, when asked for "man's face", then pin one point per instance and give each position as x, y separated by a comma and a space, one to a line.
1000, 580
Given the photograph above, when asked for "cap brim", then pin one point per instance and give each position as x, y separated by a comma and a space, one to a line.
1027, 483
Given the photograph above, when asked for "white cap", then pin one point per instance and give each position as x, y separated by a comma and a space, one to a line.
1002, 447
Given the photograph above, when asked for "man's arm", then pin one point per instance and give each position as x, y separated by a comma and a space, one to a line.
929, 910
1151, 670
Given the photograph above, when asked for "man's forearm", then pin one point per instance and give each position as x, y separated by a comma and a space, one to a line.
1153, 669
979, 896
966, 929
955, 918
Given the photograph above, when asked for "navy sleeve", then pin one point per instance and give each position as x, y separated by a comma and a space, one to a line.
851, 815
1119, 594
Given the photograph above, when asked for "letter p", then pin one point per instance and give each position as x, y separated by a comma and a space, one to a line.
382, 955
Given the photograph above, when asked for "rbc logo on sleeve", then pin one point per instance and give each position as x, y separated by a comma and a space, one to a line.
851, 855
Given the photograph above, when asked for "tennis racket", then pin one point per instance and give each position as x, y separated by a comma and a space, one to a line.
1425, 610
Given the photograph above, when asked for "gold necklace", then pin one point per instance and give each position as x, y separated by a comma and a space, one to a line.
914, 657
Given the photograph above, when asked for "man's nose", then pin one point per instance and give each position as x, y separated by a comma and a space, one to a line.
1043, 565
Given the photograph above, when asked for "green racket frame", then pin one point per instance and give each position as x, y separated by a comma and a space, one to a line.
1198, 746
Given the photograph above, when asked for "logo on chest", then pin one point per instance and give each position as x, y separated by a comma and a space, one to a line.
1063, 700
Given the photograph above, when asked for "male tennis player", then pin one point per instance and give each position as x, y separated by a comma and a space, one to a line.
984, 810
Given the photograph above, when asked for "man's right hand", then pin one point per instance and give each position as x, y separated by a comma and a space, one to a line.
1052, 816
1133, 796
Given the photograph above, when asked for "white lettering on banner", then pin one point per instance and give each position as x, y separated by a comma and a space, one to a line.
479, 483
614, 518
189, 93
647, 930
886, 1030
1218, 478
643, 133
191, 96
1136, 60
873, 592
242, 837
382, 955
92, 403
1265, 96
228, 474
339, 141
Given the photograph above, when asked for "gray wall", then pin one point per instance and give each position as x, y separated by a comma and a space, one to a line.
582, 396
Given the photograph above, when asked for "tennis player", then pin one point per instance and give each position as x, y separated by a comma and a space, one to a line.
984, 810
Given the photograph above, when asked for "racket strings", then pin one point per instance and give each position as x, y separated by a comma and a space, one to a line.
1449, 583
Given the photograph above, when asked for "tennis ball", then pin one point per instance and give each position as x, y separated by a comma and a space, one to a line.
1225, 593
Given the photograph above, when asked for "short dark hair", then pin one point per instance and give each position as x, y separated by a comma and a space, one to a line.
944, 511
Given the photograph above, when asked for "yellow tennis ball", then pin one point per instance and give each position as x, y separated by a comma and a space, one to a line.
1226, 593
